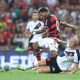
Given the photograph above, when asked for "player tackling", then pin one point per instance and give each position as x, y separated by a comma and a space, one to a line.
62, 64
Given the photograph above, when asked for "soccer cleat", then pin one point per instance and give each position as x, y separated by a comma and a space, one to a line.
21, 68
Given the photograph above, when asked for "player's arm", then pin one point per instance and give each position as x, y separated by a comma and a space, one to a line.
74, 69
67, 25
76, 63
27, 33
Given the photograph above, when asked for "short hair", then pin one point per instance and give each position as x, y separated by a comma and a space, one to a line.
35, 11
43, 9
76, 40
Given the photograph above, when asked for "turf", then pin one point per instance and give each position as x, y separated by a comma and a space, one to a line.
32, 75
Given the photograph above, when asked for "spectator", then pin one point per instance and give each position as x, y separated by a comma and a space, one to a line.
19, 39
74, 16
52, 3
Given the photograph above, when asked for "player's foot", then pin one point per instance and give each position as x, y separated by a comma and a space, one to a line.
21, 68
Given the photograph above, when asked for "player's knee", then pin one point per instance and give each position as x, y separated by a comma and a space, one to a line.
39, 63
42, 63
35, 45
43, 69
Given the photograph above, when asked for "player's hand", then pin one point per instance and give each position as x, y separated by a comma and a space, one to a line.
30, 33
27, 33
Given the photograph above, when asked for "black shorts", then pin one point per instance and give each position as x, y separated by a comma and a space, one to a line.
52, 63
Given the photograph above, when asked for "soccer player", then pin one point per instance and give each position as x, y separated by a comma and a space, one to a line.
32, 28
52, 24
62, 64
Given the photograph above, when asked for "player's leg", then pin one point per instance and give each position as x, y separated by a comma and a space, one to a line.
30, 48
51, 66
53, 46
37, 46
43, 69
40, 63
46, 62
37, 50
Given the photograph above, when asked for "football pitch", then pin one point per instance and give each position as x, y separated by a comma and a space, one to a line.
32, 75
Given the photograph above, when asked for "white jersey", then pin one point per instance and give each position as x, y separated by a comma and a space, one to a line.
66, 61
33, 26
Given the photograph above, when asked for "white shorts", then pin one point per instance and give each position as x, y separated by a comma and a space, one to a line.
49, 43
36, 38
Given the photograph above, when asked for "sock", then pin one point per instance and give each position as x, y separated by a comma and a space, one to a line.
37, 54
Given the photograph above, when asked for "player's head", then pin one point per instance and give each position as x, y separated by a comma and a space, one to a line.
43, 12
35, 15
74, 42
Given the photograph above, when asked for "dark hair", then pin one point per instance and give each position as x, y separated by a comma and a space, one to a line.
43, 9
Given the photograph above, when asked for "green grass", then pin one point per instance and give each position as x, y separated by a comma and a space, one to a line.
32, 75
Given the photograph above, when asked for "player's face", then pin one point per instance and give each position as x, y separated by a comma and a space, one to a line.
73, 42
43, 15
35, 16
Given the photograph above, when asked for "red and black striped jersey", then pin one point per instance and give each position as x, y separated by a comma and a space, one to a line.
52, 24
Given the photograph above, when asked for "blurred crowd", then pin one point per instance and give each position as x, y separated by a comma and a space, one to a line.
14, 15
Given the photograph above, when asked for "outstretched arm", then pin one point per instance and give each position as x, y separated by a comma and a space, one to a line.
67, 25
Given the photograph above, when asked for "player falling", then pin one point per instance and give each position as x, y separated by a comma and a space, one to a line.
62, 64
